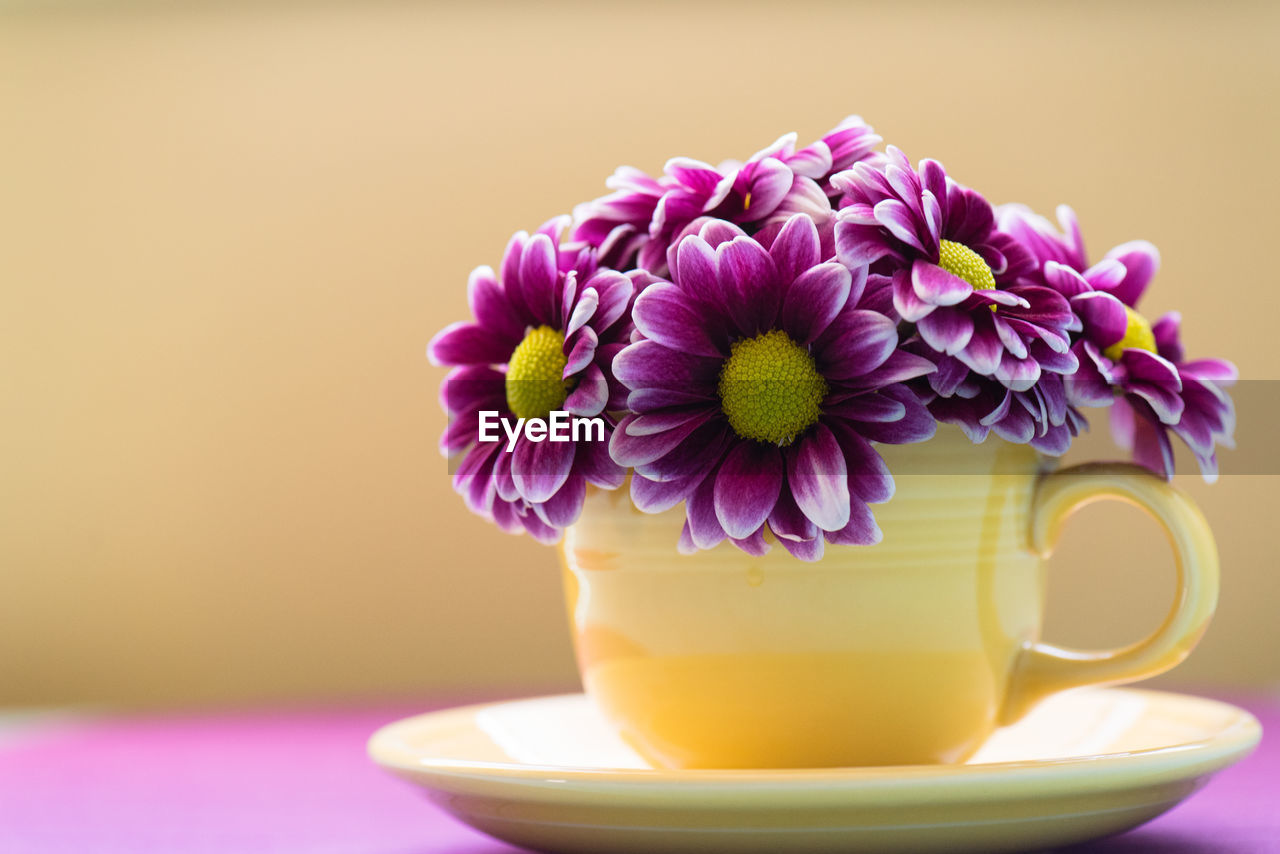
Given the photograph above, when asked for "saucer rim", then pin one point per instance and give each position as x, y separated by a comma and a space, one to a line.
1190, 759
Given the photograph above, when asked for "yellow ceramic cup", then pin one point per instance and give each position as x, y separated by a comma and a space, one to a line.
909, 651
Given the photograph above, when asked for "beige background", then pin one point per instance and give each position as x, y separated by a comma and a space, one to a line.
226, 235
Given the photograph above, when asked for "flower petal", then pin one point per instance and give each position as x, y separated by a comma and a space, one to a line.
1009, 337
860, 530
593, 462
697, 454
1065, 280
814, 300
915, 425
963, 414
694, 174
1151, 445
855, 343
629, 451
503, 481
614, 292
490, 307
474, 479
1168, 337
864, 406
1017, 374
968, 216
900, 366
538, 277
648, 363
982, 353
583, 352
796, 248
850, 141
1103, 316
813, 161
950, 376
770, 181
806, 550
564, 507
591, 394
869, 477
1208, 416
1141, 260
1090, 385
644, 400
1157, 381
700, 514
469, 344
749, 281
663, 313
652, 423
1215, 370
695, 271
1043, 306
788, 522
905, 300
472, 387
935, 286
899, 220
582, 310
1106, 275
818, 479
858, 244
755, 544
655, 496
716, 231
541, 468
947, 329
747, 487
1016, 425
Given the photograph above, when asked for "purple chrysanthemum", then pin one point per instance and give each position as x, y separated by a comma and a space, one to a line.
757, 385
543, 339
1040, 416
951, 272
644, 218
1136, 367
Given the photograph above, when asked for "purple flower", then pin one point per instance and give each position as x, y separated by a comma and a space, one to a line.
756, 386
644, 218
1137, 367
543, 339
1040, 416
935, 246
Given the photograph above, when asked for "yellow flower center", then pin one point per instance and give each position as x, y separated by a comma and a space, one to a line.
1137, 336
770, 388
534, 374
959, 260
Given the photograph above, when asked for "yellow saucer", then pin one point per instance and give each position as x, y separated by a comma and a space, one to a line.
548, 774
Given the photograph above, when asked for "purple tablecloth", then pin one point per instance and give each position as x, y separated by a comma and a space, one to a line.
292, 782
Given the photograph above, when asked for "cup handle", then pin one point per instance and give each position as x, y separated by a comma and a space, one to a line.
1041, 669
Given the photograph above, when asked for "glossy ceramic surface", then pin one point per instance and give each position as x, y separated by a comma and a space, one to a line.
550, 774
909, 651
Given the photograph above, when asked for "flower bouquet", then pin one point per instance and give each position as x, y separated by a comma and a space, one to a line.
754, 350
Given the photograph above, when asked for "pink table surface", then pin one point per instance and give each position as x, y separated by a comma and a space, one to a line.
299, 781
